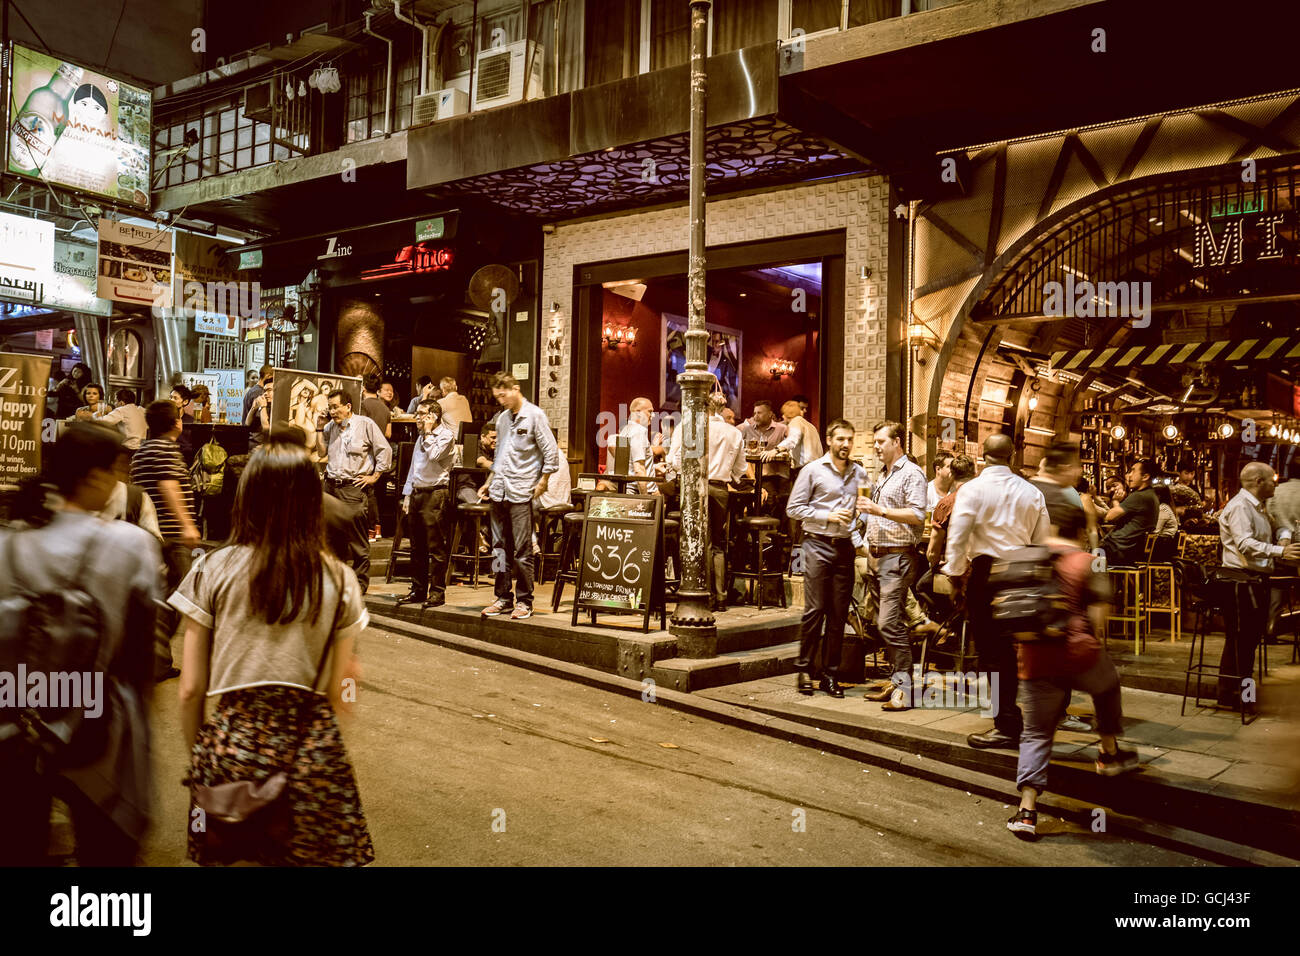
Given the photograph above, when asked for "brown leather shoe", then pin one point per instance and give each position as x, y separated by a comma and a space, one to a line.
884, 693
898, 701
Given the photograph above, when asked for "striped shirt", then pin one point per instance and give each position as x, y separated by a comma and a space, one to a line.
158, 460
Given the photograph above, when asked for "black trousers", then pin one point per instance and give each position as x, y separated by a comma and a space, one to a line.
428, 522
997, 653
359, 538
1245, 616
718, 525
827, 590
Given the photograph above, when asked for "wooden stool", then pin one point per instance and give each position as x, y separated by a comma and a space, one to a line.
476, 513
570, 555
550, 538
759, 557
1127, 585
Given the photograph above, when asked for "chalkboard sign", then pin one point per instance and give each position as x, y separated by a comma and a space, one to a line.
621, 570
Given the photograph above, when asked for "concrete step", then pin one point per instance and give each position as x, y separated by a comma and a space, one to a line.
694, 674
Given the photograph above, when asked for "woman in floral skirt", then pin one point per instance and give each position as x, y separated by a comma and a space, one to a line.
272, 630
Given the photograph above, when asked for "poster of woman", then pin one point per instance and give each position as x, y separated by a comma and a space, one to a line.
301, 399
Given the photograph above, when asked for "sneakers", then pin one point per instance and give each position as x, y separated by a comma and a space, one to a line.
1076, 724
1121, 761
496, 609
522, 612
1024, 824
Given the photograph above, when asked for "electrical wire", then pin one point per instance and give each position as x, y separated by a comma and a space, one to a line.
113, 39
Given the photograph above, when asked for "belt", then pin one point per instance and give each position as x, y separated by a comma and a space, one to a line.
342, 481
716, 481
828, 538
416, 491
892, 549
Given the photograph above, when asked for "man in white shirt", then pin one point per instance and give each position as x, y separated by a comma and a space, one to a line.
455, 406
641, 458
726, 464
942, 482
1248, 555
996, 514
127, 416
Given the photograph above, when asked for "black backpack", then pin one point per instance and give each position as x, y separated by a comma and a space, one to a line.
1027, 596
54, 633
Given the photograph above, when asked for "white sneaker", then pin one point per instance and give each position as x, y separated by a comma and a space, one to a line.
496, 609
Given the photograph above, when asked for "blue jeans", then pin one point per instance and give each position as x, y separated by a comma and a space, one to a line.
896, 572
512, 550
1043, 701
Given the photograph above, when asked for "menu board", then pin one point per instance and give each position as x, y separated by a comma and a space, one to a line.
621, 569
73, 127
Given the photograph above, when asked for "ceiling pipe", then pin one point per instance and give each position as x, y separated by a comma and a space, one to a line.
388, 76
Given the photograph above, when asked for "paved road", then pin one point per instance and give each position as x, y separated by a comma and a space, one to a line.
447, 745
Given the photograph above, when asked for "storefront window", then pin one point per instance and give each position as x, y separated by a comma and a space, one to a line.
670, 33
869, 11
813, 16
611, 40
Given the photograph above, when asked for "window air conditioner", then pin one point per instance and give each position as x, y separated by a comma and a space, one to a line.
259, 101
441, 105
500, 74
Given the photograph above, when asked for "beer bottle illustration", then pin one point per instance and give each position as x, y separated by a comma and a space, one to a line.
41, 121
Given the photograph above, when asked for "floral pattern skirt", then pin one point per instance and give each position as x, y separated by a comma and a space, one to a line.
261, 731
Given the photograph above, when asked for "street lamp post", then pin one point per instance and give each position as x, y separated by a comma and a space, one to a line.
693, 623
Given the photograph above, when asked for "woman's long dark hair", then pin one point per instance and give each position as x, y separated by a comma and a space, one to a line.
278, 514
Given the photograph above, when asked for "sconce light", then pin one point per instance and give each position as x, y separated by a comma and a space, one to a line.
1033, 395
619, 335
1170, 432
918, 333
1118, 432
780, 367
1226, 430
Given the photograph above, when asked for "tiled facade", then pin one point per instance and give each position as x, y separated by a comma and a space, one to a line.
859, 206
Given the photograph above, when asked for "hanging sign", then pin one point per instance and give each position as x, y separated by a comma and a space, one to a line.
23, 383
72, 284
135, 264
26, 257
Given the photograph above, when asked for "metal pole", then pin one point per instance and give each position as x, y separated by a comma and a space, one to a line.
693, 624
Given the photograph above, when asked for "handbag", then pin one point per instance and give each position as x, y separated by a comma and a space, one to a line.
241, 819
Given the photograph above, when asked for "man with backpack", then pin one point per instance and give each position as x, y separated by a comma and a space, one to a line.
77, 605
1050, 667
997, 514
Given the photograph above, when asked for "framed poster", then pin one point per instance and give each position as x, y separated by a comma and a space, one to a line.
301, 398
73, 127
723, 354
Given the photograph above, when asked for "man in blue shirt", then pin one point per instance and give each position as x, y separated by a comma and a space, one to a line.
427, 495
526, 456
825, 498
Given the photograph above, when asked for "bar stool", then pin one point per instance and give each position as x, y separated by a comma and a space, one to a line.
550, 538
570, 555
1127, 586
1210, 594
1161, 589
467, 513
759, 557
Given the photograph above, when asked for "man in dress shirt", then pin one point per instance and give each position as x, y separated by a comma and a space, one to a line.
128, 417
426, 497
726, 464
942, 483
455, 406
895, 520
526, 457
996, 514
825, 498
641, 458
1248, 556
764, 429
358, 455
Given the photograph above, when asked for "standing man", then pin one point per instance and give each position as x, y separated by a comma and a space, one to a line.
427, 495
1057, 474
895, 520
526, 456
763, 428
1133, 518
254, 390
358, 455
128, 417
641, 458
455, 406
942, 482
376, 409
825, 498
726, 465
1248, 556
997, 513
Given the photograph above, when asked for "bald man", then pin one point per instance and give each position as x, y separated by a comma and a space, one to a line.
641, 459
996, 514
1248, 556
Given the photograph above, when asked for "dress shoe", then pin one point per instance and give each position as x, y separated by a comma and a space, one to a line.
410, 597
883, 693
993, 738
831, 686
804, 684
438, 601
897, 701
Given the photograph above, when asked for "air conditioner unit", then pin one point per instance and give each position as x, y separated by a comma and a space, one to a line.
259, 101
441, 105
507, 74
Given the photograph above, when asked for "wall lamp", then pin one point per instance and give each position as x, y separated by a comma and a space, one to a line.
619, 335
780, 367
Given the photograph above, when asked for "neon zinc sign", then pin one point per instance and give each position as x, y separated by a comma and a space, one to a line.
417, 259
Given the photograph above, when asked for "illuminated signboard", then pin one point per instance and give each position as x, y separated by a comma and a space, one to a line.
26, 258
72, 127
412, 260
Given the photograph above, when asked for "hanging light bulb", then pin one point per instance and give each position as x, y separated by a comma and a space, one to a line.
1226, 430
1272, 431
1033, 402
1170, 432
1118, 432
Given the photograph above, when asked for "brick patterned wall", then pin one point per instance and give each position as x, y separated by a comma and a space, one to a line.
860, 206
